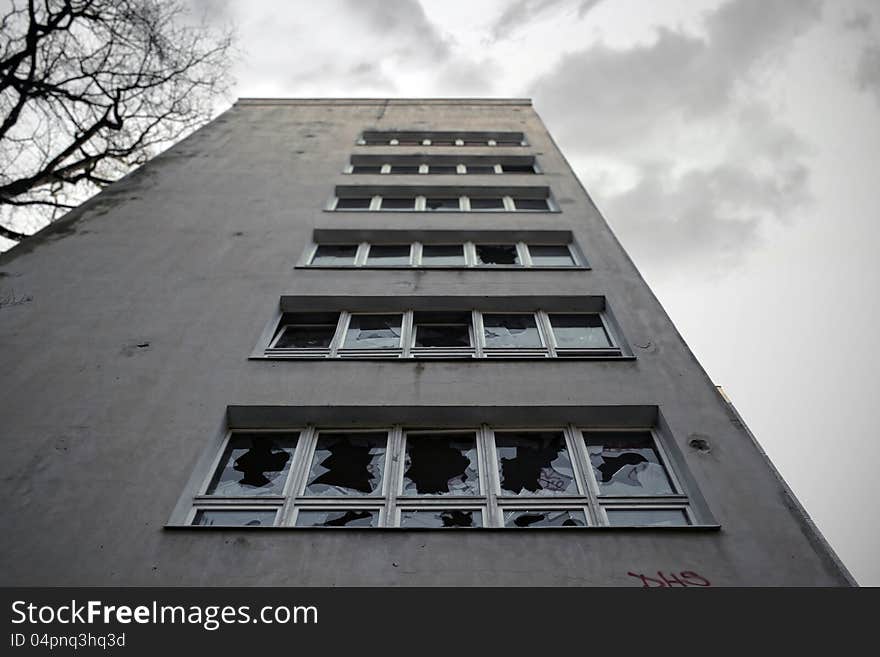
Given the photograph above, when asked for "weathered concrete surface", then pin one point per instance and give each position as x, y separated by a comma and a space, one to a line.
146, 302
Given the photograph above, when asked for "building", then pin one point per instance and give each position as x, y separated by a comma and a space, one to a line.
367, 342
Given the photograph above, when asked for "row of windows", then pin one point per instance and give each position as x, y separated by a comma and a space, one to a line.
468, 254
440, 169
465, 334
476, 140
480, 477
419, 203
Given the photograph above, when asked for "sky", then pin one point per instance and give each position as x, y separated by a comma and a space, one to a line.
732, 145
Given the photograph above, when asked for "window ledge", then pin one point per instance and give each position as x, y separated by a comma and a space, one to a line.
457, 359
441, 268
602, 528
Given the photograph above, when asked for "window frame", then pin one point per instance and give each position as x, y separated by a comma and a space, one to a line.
390, 501
508, 203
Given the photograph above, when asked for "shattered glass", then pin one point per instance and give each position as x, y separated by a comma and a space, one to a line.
626, 463
235, 518
579, 331
431, 518
348, 464
338, 518
442, 335
511, 331
440, 204
545, 518
647, 517
534, 463
497, 254
441, 465
254, 464
373, 332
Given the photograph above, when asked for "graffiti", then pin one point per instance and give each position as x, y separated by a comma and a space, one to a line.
684, 579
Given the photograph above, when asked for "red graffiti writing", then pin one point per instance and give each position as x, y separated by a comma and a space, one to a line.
684, 579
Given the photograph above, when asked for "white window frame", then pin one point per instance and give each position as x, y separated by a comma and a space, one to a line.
390, 500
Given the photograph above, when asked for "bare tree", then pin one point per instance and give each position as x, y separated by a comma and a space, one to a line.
90, 89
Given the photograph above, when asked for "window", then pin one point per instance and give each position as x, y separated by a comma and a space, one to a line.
339, 255
305, 334
441, 139
479, 169
443, 255
426, 199
435, 478
373, 332
418, 254
444, 334
443, 169
354, 203
371, 169
439, 165
386, 255
518, 168
497, 255
404, 168
550, 255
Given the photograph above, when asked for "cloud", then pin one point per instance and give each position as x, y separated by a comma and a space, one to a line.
405, 21
521, 12
708, 164
868, 70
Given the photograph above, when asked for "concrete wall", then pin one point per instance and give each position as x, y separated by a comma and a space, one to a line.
140, 310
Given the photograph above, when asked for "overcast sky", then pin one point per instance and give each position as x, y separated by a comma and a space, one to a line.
734, 147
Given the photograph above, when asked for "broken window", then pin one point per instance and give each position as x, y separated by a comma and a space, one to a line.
487, 203
434, 518
579, 331
511, 331
398, 203
647, 517
235, 518
337, 518
306, 331
531, 204
627, 463
354, 203
373, 332
545, 518
388, 254
497, 254
254, 464
442, 329
436, 255
348, 464
441, 204
340, 255
441, 464
550, 255
534, 463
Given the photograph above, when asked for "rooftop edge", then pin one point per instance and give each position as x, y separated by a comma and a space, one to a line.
527, 102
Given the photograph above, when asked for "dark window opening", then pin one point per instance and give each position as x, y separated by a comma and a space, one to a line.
545, 518
354, 203
442, 169
440, 329
365, 168
347, 464
404, 203
254, 464
388, 254
518, 168
335, 254
480, 169
441, 464
531, 204
442, 204
487, 203
497, 254
442, 254
534, 463
404, 168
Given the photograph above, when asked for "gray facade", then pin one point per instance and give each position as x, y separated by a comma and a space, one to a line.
138, 332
